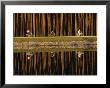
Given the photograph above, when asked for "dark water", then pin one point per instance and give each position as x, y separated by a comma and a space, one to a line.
56, 63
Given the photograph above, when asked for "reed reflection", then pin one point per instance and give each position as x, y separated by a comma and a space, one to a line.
56, 63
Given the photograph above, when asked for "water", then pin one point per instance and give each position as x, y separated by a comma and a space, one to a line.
56, 63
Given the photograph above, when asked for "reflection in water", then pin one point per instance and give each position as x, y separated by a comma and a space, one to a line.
56, 63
